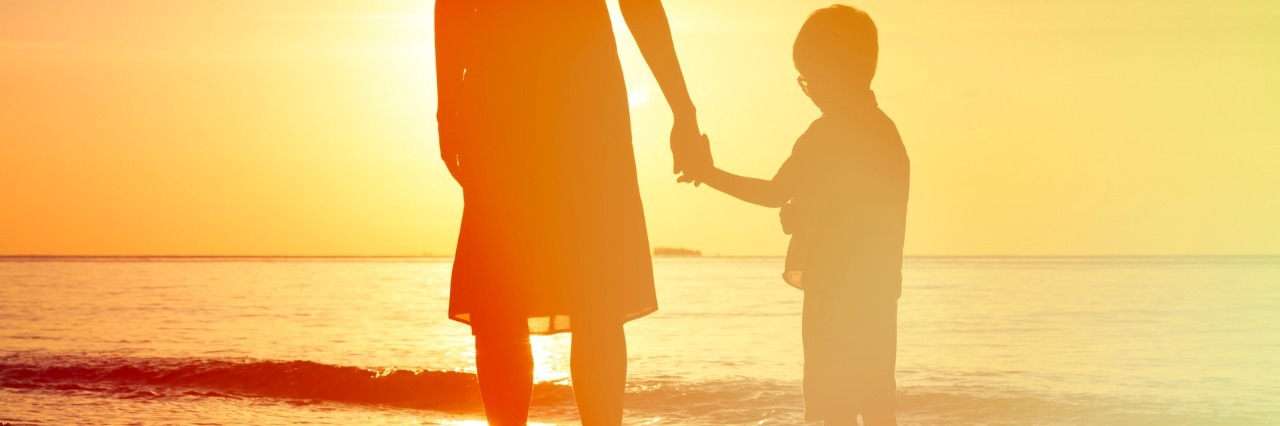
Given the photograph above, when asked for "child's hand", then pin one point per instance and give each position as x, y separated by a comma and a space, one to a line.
698, 162
787, 215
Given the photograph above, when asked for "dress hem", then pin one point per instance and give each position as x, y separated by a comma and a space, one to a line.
567, 329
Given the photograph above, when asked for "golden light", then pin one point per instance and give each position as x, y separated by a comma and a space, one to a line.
550, 358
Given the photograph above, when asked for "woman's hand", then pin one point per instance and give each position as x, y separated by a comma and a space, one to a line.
684, 138
698, 163
450, 135
453, 43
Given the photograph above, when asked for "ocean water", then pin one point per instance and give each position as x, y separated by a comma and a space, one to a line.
982, 341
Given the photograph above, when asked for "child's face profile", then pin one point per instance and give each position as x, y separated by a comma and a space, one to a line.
835, 54
815, 88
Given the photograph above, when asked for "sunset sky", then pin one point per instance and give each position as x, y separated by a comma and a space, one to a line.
304, 127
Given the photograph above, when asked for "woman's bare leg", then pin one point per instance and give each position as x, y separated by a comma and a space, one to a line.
504, 365
599, 367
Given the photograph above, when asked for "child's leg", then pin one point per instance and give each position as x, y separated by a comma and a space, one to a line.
877, 387
504, 366
828, 366
849, 353
598, 364
849, 421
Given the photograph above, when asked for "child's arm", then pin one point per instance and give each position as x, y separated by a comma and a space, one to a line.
761, 192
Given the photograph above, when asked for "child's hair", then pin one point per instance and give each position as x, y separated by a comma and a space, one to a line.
838, 44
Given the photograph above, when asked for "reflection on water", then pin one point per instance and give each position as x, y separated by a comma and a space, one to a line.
550, 358
1050, 341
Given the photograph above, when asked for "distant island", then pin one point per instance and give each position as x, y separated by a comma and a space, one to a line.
676, 251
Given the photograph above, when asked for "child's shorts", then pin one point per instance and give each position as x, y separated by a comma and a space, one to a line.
850, 349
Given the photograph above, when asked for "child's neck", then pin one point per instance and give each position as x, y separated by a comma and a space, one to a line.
856, 101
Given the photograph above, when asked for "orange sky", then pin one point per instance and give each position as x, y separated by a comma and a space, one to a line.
302, 127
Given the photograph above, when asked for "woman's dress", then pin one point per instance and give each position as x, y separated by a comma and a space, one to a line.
553, 230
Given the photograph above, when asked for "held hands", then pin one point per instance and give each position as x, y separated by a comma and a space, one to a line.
684, 130
698, 163
689, 149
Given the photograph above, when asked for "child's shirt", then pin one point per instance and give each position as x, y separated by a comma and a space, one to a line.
848, 176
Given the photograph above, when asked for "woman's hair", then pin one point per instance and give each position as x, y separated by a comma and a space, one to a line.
838, 44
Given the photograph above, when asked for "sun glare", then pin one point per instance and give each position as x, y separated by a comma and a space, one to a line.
550, 358
637, 96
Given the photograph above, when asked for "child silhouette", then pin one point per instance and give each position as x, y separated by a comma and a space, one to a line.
843, 195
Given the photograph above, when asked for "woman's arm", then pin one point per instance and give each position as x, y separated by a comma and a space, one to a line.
647, 21
452, 19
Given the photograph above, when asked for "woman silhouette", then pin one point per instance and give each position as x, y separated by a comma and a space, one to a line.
535, 127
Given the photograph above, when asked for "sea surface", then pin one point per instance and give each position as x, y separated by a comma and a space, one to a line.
982, 341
